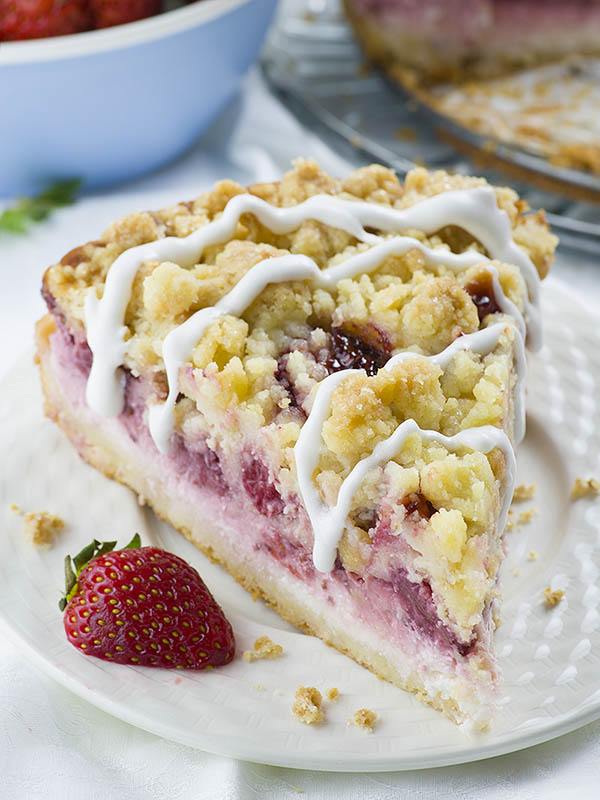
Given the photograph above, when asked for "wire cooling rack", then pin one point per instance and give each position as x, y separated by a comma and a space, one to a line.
313, 63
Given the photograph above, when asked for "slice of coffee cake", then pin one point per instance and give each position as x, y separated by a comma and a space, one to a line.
319, 382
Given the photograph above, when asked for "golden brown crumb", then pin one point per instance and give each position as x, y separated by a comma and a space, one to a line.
307, 705
263, 648
525, 517
40, 526
523, 492
584, 487
364, 718
532, 555
552, 597
333, 694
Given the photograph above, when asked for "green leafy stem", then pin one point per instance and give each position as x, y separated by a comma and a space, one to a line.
28, 210
74, 564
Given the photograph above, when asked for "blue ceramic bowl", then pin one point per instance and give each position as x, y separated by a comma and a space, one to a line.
110, 105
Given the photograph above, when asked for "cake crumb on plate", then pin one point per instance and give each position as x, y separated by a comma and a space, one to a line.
364, 718
532, 555
525, 517
552, 597
333, 694
307, 705
41, 527
263, 648
523, 492
584, 487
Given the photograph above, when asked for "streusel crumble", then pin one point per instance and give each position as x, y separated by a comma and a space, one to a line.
41, 527
263, 647
585, 487
364, 718
307, 706
552, 597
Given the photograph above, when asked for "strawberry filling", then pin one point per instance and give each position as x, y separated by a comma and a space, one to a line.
349, 351
396, 604
482, 294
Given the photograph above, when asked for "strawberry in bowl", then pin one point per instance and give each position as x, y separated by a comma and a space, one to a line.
143, 606
120, 100
39, 19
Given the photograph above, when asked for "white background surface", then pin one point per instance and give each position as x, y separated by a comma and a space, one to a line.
51, 743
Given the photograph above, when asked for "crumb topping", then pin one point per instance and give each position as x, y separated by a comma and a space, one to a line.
524, 492
585, 487
364, 718
552, 597
307, 706
41, 527
263, 648
332, 694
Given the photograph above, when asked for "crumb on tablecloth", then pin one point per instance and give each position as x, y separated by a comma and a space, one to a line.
332, 694
585, 487
364, 718
552, 597
307, 705
532, 555
263, 648
523, 492
41, 527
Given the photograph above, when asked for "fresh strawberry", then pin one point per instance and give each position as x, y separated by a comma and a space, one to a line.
107, 13
143, 606
36, 19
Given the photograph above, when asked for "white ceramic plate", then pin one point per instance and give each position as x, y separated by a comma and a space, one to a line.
550, 659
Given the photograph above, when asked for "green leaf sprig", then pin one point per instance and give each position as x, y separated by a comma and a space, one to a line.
74, 564
19, 217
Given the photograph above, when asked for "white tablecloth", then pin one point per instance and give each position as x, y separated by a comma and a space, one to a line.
54, 745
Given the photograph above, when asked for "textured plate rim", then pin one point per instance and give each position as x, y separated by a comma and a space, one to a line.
454, 756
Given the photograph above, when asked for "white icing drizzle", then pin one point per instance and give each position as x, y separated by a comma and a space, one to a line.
328, 522
474, 210
180, 342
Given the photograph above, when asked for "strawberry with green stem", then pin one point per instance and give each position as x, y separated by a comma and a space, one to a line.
143, 606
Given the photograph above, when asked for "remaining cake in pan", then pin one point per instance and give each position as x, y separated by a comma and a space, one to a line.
319, 382
504, 69
449, 40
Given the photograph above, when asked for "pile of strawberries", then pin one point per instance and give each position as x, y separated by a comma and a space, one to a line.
37, 19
